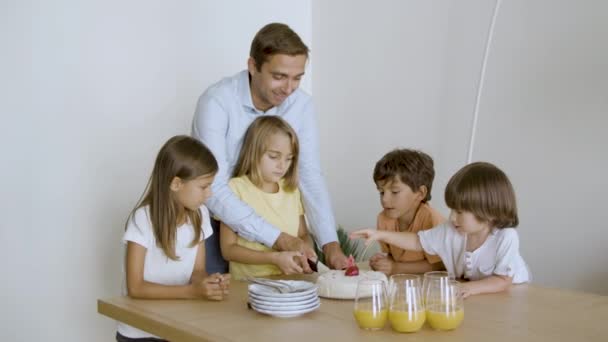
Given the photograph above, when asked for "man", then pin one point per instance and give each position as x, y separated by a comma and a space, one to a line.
269, 86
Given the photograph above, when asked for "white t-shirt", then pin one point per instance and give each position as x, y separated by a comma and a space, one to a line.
499, 254
158, 268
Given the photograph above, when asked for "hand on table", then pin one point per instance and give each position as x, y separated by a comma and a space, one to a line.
382, 263
213, 287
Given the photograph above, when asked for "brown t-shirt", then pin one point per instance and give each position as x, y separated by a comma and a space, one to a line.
425, 218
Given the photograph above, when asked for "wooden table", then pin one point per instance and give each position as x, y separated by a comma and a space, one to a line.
525, 313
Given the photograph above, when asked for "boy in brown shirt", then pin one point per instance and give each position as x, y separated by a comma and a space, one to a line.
404, 179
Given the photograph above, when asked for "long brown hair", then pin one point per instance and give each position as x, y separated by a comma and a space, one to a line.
186, 158
484, 190
255, 145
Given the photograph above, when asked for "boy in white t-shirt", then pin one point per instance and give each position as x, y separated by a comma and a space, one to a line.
476, 244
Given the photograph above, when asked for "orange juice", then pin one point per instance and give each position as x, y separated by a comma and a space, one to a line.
445, 320
368, 319
403, 321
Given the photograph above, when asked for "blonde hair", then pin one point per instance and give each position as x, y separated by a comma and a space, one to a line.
484, 190
186, 158
255, 145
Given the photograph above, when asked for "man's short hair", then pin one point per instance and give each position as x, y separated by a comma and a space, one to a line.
276, 38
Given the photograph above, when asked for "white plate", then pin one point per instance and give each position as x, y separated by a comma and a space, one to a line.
303, 287
305, 297
283, 305
286, 308
286, 314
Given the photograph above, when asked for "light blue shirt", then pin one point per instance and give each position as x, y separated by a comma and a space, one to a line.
223, 114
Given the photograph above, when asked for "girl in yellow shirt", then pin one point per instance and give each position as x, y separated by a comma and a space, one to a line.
265, 177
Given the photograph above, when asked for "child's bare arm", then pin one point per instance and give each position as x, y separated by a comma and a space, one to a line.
303, 231
137, 287
491, 284
233, 252
405, 240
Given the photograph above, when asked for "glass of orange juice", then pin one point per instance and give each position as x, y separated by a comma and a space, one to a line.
371, 310
406, 309
433, 276
444, 305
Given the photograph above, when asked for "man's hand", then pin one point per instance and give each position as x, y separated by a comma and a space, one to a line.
286, 242
334, 257
382, 263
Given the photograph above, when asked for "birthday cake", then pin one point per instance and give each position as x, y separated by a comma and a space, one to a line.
335, 284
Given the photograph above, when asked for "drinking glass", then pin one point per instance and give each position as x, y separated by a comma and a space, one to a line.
444, 304
371, 310
406, 309
430, 277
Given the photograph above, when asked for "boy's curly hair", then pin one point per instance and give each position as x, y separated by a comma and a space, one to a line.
411, 167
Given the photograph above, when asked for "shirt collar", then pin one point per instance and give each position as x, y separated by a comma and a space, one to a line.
244, 94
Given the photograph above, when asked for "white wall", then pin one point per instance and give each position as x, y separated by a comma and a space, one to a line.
377, 85
395, 73
543, 118
89, 92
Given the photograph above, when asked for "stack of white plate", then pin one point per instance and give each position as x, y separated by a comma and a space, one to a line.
267, 300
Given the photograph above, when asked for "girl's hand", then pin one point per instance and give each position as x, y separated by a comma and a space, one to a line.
382, 263
286, 262
213, 287
370, 235
224, 282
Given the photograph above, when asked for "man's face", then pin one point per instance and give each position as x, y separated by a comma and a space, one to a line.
276, 80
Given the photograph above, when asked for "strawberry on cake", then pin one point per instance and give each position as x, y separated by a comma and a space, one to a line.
342, 284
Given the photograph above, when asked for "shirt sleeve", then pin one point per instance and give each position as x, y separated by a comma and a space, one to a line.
300, 205
210, 126
506, 254
432, 258
139, 229
434, 240
312, 184
206, 218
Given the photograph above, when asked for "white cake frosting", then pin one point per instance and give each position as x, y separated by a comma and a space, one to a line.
334, 284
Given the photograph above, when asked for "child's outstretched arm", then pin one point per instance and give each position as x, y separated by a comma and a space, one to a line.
233, 252
491, 284
405, 240
137, 287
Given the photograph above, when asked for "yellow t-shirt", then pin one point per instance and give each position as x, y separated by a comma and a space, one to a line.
282, 209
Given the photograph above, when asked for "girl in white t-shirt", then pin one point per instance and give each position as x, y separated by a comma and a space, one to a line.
475, 244
165, 255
